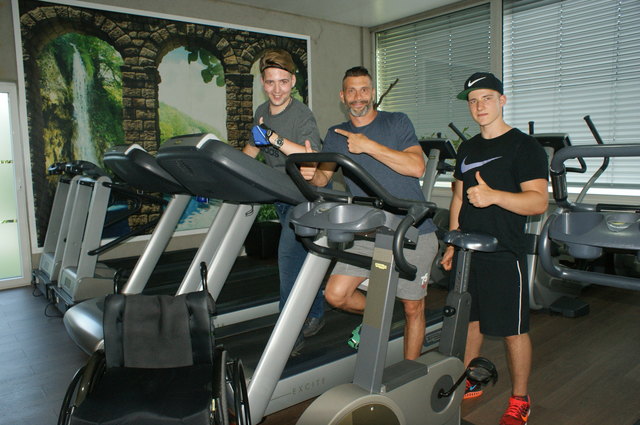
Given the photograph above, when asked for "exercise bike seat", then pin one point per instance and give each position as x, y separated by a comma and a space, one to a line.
341, 221
471, 241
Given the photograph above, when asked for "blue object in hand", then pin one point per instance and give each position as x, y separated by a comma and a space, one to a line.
261, 135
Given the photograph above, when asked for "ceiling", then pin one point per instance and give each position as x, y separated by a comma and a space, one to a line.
363, 13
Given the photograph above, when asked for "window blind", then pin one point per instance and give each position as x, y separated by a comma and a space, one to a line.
432, 59
567, 59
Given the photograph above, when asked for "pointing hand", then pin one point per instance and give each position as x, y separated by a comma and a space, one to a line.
356, 142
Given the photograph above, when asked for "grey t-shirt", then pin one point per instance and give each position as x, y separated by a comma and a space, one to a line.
296, 123
391, 129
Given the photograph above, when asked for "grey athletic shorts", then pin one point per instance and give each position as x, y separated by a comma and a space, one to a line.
421, 257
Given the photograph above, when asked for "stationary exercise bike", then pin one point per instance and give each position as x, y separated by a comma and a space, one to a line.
424, 391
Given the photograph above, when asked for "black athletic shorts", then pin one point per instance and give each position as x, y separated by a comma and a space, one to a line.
499, 293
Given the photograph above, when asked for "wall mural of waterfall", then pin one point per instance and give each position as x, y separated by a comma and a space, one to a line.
81, 92
94, 78
82, 143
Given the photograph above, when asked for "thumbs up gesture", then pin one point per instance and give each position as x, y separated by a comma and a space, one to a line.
308, 169
479, 179
481, 195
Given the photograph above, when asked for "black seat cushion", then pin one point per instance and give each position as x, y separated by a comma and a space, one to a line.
158, 331
158, 325
128, 396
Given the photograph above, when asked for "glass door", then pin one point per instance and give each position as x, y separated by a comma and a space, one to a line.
15, 258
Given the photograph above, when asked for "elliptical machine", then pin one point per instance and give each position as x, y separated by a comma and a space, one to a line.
547, 290
587, 229
428, 389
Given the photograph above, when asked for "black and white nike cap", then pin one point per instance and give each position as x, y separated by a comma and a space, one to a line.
481, 80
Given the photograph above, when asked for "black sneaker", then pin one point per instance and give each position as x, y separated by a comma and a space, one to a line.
312, 326
472, 391
297, 347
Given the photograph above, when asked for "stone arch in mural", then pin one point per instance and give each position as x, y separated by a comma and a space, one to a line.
38, 29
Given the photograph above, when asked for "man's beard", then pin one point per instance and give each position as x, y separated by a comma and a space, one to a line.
364, 111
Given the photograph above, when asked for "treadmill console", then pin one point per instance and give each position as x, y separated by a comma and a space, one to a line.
213, 169
447, 151
556, 141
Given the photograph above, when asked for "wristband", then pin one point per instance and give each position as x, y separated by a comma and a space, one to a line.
261, 134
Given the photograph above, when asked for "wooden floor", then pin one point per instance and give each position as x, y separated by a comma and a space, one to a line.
586, 370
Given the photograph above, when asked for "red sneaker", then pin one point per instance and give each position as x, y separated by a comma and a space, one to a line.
518, 411
472, 391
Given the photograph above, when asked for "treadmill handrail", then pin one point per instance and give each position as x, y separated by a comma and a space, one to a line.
84, 168
459, 133
358, 171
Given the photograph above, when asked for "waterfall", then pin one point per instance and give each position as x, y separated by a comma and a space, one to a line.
82, 145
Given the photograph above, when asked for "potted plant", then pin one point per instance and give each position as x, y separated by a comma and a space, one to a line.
264, 235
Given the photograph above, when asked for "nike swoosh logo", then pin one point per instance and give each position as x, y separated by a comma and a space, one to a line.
464, 167
475, 81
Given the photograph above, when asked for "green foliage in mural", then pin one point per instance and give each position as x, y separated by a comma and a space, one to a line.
57, 103
300, 87
213, 67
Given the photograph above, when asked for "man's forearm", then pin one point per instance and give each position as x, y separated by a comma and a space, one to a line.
320, 178
408, 162
455, 205
454, 212
523, 203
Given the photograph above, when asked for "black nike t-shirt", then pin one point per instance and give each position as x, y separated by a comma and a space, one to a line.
503, 163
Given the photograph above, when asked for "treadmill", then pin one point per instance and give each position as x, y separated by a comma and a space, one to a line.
206, 166
81, 276
45, 276
137, 167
